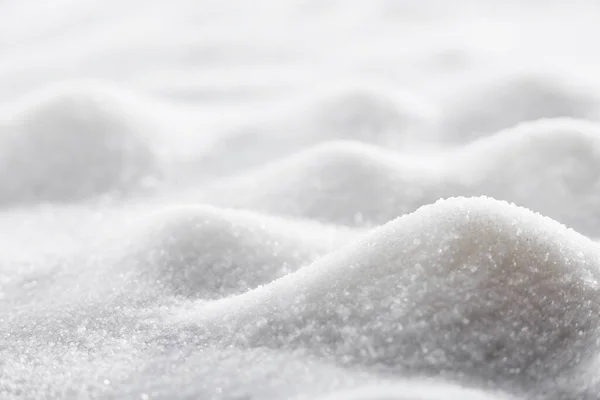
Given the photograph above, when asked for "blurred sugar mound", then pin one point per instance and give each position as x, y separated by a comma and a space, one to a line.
369, 115
71, 143
504, 101
342, 182
551, 166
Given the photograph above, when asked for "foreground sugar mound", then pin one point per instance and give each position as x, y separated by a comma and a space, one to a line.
205, 252
474, 290
183, 252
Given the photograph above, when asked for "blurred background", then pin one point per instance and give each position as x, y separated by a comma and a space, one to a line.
214, 88
225, 55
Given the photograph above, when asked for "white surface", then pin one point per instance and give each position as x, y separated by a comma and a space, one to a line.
239, 200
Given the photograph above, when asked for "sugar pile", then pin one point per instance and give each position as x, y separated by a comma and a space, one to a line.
299, 200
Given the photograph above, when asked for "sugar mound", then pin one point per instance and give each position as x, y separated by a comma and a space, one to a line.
205, 252
360, 114
366, 115
196, 252
241, 200
72, 143
505, 101
550, 166
470, 289
126, 291
341, 182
